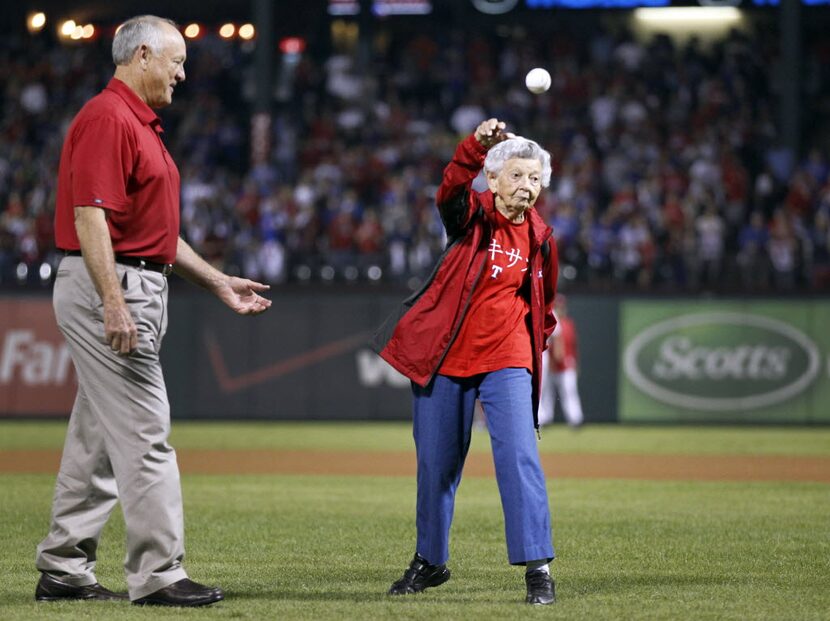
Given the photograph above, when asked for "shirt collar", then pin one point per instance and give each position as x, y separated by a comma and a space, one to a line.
142, 111
539, 230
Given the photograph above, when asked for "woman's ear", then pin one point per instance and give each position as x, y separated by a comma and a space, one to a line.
492, 181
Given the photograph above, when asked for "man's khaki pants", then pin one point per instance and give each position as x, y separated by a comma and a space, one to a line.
116, 443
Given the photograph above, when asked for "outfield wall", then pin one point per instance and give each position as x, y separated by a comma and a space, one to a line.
642, 360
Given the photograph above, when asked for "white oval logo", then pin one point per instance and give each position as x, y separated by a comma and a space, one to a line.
694, 374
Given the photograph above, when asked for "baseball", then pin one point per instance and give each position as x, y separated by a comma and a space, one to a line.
537, 80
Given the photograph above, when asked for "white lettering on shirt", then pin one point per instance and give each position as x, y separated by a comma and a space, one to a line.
495, 248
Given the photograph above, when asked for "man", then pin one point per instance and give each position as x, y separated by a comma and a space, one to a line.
560, 370
117, 220
476, 331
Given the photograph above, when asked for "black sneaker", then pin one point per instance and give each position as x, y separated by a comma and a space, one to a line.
540, 588
420, 576
51, 589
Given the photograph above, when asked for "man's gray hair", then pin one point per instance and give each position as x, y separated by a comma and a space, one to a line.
135, 32
521, 148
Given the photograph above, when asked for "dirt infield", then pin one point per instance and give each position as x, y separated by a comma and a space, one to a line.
568, 465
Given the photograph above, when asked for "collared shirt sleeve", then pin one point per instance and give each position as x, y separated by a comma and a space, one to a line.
101, 164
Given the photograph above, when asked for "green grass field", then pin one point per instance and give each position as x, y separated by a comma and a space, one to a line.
327, 547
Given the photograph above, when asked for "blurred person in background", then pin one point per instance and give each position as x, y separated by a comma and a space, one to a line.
783, 251
560, 369
753, 255
710, 131
711, 233
117, 222
820, 259
477, 330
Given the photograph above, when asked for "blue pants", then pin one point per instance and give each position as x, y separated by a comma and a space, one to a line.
443, 420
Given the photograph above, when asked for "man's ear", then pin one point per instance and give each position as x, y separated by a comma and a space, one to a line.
144, 52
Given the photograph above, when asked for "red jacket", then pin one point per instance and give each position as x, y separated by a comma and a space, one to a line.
415, 339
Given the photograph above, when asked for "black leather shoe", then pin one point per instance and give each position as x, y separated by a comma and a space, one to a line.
185, 592
540, 588
420, 576
51, 589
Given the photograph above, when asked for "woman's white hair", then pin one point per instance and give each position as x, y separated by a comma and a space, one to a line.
521, 148
135, 32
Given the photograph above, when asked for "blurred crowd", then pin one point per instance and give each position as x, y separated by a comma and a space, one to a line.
669, 173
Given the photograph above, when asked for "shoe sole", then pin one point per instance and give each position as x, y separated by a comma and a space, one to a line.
49, 589
439, 579
433, 582
195, 604
73, 598
540, 603
81, 599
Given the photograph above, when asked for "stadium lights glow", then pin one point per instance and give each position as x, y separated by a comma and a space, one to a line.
36, 21
71, 30
67, 28
246, 31
688, 15
227, 31
192, 31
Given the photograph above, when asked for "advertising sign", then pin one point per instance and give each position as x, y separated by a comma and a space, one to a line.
36, 372
307, 358
725, 362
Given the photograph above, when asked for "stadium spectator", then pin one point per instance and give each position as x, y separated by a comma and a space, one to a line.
753, 253
711, 232
633, 125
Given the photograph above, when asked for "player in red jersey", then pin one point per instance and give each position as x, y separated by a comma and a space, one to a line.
561, 367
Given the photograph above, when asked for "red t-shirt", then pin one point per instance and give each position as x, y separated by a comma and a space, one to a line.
495, 333
113, 157
565, 333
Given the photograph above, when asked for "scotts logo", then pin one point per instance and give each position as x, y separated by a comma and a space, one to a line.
721, 361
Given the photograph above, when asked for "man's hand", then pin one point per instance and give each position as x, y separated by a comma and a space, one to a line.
238, 293
241, 295
120, 332
119, 328
491, 132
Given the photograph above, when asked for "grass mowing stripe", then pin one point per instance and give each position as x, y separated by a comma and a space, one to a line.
397, 436
328, 547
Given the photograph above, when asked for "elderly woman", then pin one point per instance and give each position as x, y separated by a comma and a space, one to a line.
477, 330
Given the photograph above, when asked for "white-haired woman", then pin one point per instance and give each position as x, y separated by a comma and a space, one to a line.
477, 330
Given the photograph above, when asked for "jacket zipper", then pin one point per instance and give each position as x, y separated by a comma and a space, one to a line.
545, 239
461, 321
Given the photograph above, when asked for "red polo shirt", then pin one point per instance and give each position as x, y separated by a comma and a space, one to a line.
113, 157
